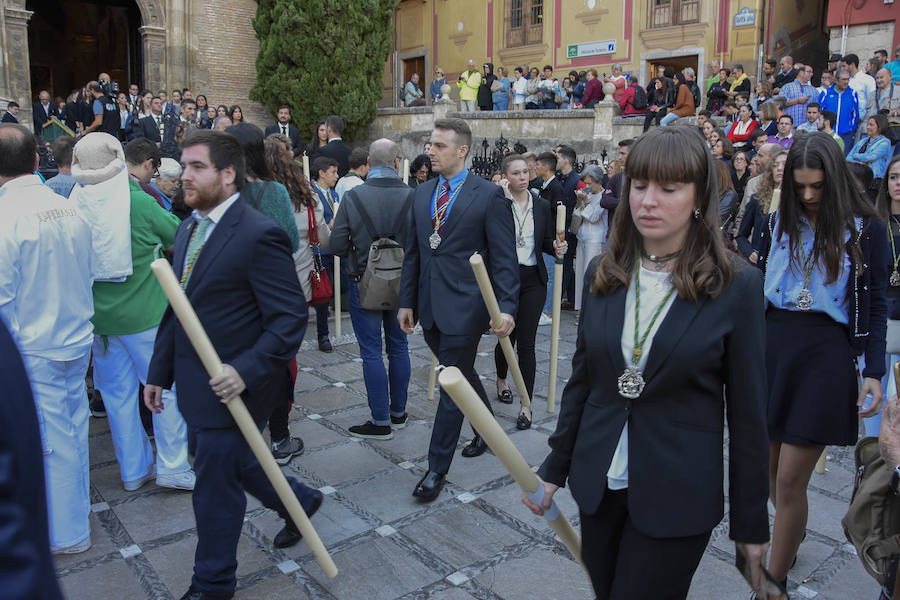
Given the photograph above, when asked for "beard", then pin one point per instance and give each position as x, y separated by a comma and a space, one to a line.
205, 198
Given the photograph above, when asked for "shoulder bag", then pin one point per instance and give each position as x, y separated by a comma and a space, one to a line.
318, 276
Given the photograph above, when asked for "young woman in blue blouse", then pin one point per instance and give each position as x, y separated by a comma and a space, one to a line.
826, 263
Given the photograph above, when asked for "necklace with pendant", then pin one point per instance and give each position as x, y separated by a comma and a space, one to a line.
895, 276
631, 381
804, 298
660, 261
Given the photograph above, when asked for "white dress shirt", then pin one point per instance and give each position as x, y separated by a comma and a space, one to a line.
216, 214
654, 287
595, 222
45, 271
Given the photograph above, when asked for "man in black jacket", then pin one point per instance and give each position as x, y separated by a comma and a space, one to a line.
378, 208
284, 127
570, 181
335, 148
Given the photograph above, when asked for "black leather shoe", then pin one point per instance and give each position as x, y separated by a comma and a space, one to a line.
429, 487
195, 594
325, 345
523, 422
475, 448
289, 534
505, 396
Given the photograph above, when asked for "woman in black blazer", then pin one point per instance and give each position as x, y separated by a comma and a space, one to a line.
641, 427
535, 233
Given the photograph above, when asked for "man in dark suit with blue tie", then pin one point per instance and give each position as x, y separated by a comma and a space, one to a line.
236, 267
452, 217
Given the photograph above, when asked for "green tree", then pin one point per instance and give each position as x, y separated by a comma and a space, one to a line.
323, 57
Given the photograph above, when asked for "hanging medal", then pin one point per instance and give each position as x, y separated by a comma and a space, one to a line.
439, 217
804, 299
895, 276
520, 224
631, 382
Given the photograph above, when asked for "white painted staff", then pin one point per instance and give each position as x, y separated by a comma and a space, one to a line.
557, 301
306, 169
204, 348
463, 394
490, 300
432, 375
406, 171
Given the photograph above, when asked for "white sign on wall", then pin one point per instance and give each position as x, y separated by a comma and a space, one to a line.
591, 49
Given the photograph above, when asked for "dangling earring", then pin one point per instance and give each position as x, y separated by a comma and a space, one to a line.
697, 214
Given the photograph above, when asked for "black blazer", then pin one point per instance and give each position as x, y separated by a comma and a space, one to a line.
439, 284
147, 128
245, 290
676, 427
26, 567
337, 150
40, 117
544, 234
292, 133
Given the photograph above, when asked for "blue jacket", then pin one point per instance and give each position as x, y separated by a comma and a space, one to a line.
845, 105
865, 292
877, 155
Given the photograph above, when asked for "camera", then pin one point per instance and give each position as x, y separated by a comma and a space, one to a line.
110, 88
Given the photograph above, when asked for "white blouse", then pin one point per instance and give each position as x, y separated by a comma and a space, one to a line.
523, 222
654, 286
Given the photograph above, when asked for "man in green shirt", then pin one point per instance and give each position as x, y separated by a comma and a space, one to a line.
126, 316
827, 119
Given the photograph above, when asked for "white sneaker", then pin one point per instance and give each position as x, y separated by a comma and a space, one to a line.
545, 320
76, 549
131, 486
177, 481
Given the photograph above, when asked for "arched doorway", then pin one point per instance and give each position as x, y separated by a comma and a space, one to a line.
71, 41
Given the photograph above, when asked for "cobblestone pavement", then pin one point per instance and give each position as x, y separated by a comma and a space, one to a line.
475, 541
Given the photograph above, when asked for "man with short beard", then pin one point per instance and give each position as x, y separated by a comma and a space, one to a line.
255, 315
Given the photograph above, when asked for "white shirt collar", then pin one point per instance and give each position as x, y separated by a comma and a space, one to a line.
334, 138
546, 183
216, 214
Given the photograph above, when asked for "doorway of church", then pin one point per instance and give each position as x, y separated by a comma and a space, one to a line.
70, 42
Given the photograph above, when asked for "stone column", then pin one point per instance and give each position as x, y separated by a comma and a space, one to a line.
154, 40
15, 82
177, 75
603, 119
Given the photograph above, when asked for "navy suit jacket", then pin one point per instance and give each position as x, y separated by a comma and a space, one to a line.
147, 128
292, 133
440, 284
337, 150
26, 567
245, 291
40, 117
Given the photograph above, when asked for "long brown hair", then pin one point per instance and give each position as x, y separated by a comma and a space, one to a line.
703, 268
288, 173
883, 203
841, 202
767, 184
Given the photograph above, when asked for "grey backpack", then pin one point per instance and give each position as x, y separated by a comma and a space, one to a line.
379, 285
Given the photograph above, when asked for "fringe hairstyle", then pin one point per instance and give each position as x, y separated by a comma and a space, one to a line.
883, 203
670, 155
841, 202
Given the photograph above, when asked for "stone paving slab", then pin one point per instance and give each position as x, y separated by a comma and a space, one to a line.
475, 542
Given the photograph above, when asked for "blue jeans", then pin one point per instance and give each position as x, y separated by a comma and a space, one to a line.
549, 262
504, 105
667, 119
849, 138
386, 390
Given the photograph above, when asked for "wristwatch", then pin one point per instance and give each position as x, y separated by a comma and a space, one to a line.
895, 481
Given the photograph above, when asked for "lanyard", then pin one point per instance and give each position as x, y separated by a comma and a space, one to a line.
808, 263
521, 223
439, 219
893, 249
639, 341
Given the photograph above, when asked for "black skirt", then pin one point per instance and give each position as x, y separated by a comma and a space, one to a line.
812, 379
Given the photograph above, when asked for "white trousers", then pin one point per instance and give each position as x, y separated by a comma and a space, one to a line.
468, 106
121, 363
60, 397
583, 256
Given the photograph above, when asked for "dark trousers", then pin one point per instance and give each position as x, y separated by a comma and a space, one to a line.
531, 301
451, 351
226, 468
651, 117
625, 564
568, 290
284, 391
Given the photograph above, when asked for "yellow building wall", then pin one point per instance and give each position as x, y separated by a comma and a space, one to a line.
450, 32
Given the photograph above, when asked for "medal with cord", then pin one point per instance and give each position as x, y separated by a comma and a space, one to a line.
895, 276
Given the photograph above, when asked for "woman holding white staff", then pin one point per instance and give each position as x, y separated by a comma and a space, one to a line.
535, 233
826, 270
669, 321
